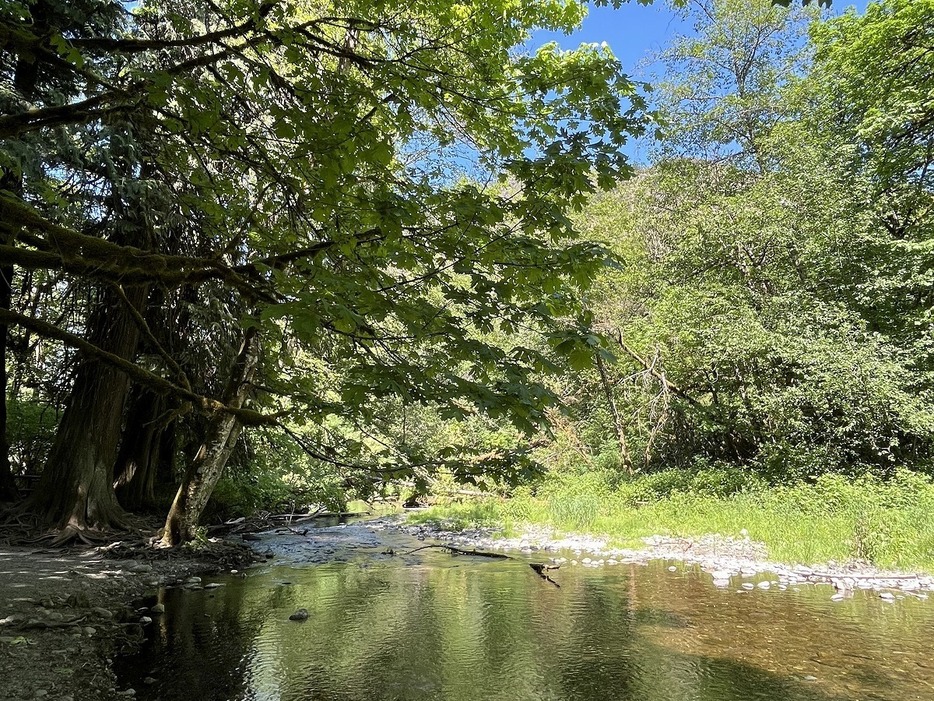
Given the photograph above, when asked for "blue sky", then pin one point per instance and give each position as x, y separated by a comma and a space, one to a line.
635, 31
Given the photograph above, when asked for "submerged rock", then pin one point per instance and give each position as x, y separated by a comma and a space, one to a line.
300, 615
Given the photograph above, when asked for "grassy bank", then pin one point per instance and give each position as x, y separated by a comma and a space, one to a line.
888, 523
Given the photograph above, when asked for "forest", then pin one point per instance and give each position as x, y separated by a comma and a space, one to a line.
261, 255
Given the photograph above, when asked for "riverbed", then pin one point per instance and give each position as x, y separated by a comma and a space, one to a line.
389, 618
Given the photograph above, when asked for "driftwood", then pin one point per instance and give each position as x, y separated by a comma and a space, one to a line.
264, 521
539, 568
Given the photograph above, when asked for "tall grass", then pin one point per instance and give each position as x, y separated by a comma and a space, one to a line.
886, 523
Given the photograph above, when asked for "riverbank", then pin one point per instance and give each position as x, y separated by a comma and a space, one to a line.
732, 563
64, 613
869, 530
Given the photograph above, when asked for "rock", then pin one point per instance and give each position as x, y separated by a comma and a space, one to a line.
145, 620
300, 615
40, 693
89, 631
193, 580
149, 681
748, 585
215, 585
140, 568
105, 614
764, 585
721, 582
837, 597
157, 608
809, 678
887, 596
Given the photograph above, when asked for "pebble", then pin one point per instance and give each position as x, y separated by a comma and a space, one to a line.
101, 612
89, 631
149, 681
140, 568
721, 583
145, 620
764, 585
837, 597
887, 596
748, 585
672, 569
157, 608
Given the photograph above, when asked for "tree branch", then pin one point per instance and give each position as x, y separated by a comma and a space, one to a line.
139, 375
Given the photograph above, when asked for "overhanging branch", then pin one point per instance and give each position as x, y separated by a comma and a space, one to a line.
139, 375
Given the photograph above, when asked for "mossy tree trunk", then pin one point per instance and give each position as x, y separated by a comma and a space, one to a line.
208, 464
75, 492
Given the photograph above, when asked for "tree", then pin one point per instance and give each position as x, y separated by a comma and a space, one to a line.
299, 157
742, 315
874, 106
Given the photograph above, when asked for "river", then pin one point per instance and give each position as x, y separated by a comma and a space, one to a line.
429, 625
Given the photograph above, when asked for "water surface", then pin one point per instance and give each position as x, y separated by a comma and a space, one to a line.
432, 626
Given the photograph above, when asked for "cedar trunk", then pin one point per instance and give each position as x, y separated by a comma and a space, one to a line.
75, 492
140, 456
208, 465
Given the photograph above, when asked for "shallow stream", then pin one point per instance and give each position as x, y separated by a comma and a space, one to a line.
429, 625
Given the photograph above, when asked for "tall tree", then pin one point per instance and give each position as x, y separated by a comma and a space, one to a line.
311, 154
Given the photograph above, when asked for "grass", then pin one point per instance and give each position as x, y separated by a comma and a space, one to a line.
887, 523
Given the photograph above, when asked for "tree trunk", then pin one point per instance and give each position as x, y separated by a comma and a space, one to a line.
208, 465
618, 427
75, 492
140, 451
8, 491
24, 82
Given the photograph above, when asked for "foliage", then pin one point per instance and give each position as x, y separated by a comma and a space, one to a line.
379, 189
836, 518
760, 316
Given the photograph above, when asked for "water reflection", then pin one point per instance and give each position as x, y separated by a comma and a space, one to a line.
446, 628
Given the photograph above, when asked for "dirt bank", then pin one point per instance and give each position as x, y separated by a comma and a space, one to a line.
63, 613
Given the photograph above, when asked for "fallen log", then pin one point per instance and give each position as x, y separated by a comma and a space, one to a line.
538, 567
